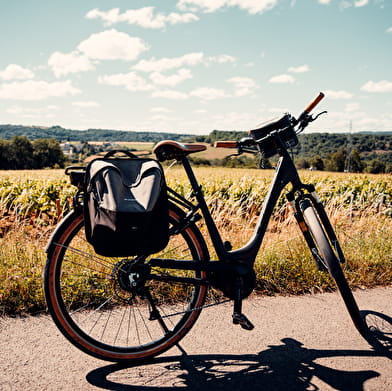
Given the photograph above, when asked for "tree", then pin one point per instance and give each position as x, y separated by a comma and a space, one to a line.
21, 152
5, 155
317, 163
302, 163
356, 164
47, 153
337, 160
376, 167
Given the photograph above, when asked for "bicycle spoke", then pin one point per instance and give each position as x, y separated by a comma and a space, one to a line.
86, 267
102, 301
99, 260
119, 327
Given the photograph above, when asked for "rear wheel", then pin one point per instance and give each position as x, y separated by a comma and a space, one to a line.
112, 308
326, 257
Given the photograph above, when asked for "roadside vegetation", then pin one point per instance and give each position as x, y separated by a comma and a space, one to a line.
360, 205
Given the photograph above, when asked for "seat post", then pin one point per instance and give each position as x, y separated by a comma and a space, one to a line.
211, 226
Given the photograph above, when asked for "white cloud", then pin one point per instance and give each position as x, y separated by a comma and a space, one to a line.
65, 63
37, 90
190, 59
222, 59
233, 120
86, 104
344, 4
380, 86
16, 72
252, 6
300, 69
143, 17
361, 3
170, 94
324, 1
165, 64
352, 107
31, 112
243, 85
112, 45
389, 30
172, 80
161, 118
160, 110
203, 5
109, 17
207, 93
282, 79
330, 94
131, 81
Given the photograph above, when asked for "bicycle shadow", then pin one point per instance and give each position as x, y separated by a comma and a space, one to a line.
380, 337
289, 365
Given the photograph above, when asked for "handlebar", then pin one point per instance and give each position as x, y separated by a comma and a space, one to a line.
226, 144
300, 124
311, 106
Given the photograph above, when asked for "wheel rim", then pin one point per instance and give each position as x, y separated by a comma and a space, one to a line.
96, 309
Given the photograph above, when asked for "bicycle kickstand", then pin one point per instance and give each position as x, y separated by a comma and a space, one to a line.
238, 316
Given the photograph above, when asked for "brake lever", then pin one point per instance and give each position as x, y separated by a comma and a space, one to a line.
246, 148
304, 122
318, 115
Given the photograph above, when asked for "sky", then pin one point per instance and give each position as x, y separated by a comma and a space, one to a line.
192, 66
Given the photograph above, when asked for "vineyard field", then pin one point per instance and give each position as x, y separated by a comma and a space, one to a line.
360, 207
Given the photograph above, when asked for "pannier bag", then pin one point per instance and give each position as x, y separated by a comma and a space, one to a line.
125, 206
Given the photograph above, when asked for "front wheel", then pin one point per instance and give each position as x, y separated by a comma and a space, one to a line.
118, 309
326, 256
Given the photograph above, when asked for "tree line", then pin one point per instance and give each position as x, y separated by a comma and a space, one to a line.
62, 134
359, 152
20, 153
330, 152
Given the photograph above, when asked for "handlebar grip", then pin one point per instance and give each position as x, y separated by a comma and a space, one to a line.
314, 103
226, 144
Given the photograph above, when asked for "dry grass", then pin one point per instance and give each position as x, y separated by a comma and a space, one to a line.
359, 205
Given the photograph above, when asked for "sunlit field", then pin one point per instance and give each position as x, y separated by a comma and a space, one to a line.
360, 207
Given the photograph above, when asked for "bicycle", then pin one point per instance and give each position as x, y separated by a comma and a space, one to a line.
133, 309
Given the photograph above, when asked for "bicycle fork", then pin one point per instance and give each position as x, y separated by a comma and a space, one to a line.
298, 205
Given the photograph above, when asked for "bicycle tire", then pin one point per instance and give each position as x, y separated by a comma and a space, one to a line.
330, 260
87, 302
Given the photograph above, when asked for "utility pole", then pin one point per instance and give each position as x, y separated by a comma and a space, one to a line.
347, 167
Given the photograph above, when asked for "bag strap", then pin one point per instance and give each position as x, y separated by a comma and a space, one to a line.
125, 152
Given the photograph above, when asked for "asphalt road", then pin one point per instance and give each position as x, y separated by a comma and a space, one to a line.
299, 343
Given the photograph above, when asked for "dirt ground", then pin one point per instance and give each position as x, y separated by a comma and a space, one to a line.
299, 343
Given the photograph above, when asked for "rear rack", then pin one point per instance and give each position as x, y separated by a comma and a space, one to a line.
76, 175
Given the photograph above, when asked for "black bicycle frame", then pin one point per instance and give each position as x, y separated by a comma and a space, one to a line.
245, 256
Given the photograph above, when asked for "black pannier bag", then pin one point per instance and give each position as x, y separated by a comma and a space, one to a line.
125, 206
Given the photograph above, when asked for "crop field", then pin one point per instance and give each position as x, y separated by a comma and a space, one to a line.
360, 207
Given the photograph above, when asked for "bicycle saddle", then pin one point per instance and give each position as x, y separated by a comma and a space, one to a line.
169, 149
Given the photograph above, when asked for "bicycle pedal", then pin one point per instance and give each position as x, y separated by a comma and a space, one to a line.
243, 321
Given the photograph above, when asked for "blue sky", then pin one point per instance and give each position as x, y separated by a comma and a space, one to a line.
191, 66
